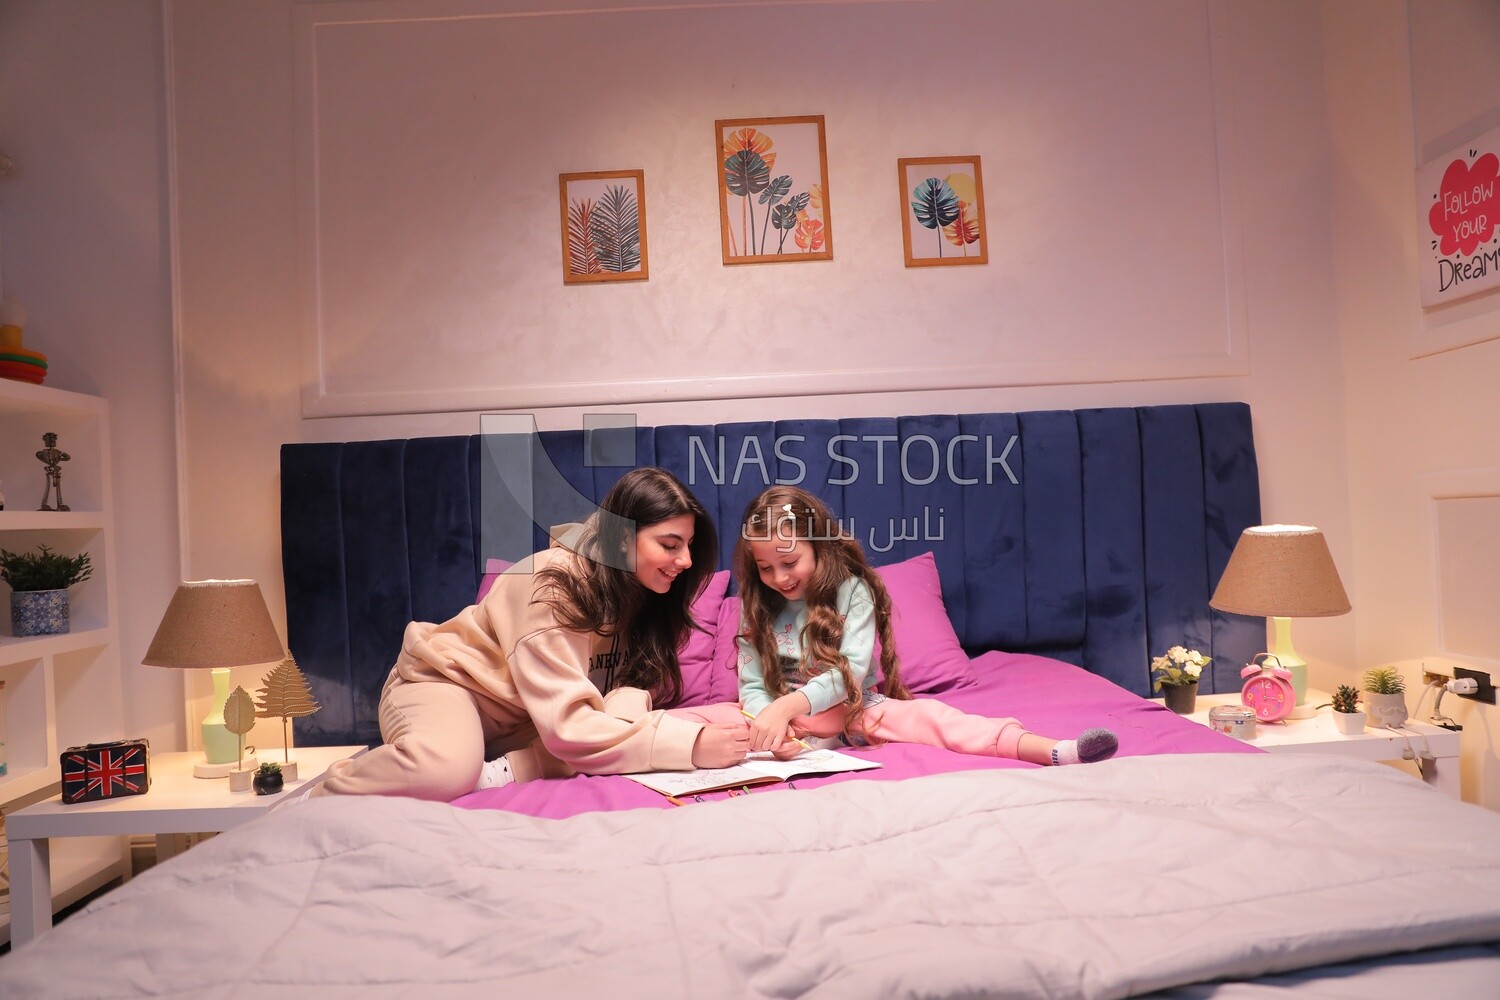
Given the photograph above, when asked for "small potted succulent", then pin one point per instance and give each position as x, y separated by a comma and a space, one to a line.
1346, 714
268, 780
1385, 697
1175, 674
39, 582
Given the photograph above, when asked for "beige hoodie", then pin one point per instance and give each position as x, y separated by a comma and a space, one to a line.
526, 669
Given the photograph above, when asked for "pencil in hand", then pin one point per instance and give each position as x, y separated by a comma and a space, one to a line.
800, 743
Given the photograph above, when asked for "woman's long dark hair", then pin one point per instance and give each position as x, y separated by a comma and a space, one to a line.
839, 557
600, 593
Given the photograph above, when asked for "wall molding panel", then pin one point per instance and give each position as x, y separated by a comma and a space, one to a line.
429, 137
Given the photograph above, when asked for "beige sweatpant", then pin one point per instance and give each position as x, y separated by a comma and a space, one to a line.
437, 735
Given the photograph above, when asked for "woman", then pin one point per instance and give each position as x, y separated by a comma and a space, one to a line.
523, 670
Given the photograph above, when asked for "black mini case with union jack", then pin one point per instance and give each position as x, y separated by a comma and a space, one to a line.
106, 770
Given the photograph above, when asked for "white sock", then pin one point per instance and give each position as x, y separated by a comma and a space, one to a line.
495, 774
1092, 745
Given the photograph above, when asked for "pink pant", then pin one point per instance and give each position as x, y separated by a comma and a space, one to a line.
921, 720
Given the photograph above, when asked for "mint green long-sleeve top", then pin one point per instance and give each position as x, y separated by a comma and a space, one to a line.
826, 689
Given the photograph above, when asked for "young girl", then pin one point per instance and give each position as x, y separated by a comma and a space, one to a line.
523, 670
811, 609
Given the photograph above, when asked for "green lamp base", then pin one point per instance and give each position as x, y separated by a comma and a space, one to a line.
1281, 648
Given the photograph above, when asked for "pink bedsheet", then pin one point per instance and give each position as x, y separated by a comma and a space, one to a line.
1048, 696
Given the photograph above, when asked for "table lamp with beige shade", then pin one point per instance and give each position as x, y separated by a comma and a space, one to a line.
216, 625
1281, 572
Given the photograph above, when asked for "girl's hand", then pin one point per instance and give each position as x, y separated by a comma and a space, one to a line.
788, 750
721, 744
770, 730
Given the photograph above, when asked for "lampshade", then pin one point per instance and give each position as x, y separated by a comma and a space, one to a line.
1281, 571
215, 623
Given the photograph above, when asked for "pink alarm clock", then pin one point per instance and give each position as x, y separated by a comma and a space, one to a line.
1269, 691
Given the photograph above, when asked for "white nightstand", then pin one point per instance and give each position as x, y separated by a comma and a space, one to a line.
1319, 735
177, 803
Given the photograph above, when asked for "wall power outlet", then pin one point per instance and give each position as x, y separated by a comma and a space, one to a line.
1486, 692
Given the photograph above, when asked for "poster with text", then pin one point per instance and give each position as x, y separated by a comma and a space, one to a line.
1458, 199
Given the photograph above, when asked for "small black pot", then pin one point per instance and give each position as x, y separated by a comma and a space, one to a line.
1181, 698
267, 784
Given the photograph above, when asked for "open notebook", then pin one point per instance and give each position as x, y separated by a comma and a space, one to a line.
757, 769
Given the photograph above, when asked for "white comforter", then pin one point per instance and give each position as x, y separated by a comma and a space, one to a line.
1097, 881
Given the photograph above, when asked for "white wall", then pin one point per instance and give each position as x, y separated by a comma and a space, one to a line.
1059, 94
1423, 426
1322, 210
84, 248
428, 150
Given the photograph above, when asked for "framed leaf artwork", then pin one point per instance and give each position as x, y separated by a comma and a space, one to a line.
603, 226
773, 189
942, 211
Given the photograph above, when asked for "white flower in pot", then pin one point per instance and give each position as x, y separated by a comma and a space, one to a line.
1175, 674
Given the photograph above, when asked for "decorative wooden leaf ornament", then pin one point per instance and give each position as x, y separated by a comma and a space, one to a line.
239, 718
239, 712
286, 695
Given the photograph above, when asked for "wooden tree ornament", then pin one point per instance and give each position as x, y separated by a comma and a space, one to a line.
286, 695
239, 718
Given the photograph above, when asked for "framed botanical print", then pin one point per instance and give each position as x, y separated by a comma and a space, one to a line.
773, 189
603, 226
942, 211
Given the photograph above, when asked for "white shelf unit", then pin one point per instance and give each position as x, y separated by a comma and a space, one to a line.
60, 690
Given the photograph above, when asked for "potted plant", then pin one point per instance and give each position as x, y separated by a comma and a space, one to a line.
1346, 714
268, 780
1385, 697
1175, 674
39, 582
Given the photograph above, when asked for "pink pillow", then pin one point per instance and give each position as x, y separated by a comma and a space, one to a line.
931, 657
492, 569
724, 674
696, 657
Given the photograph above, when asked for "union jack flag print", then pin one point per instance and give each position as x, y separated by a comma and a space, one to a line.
104, 771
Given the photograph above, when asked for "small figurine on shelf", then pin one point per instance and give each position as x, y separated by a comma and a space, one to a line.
53, 457
2, 496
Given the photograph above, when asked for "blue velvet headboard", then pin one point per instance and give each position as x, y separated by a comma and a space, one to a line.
1102, 552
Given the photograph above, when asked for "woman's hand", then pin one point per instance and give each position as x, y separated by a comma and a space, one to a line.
721, 744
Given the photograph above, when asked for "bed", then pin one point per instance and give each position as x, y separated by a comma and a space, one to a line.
1036, 560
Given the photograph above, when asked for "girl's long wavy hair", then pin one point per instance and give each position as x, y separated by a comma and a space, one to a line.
599, 592
838, 556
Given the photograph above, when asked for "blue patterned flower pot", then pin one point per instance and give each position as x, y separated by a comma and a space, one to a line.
39, 612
